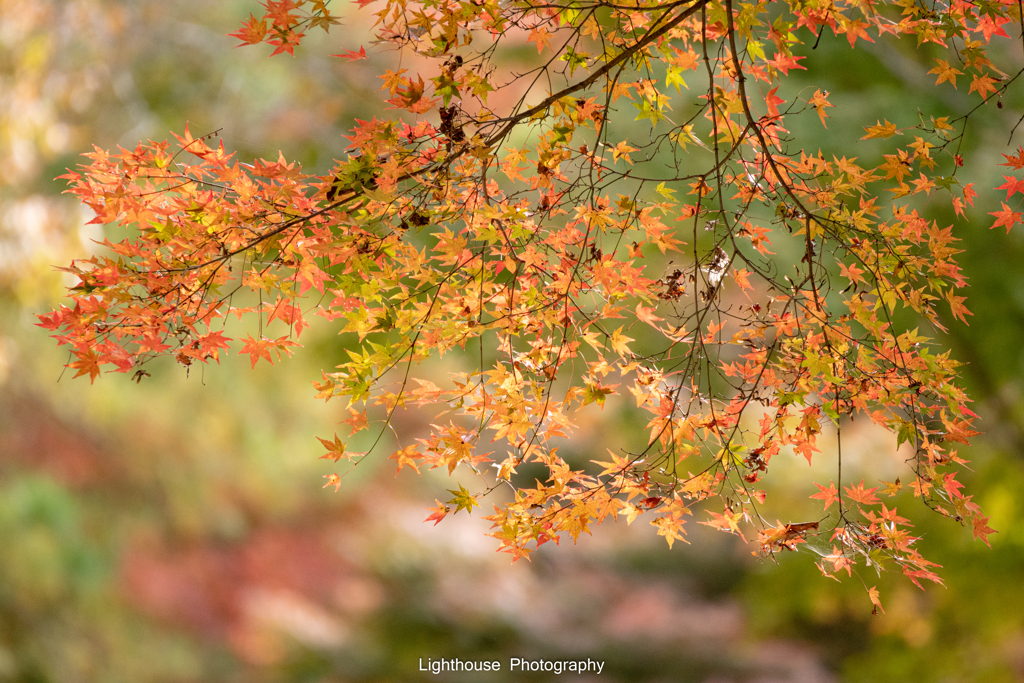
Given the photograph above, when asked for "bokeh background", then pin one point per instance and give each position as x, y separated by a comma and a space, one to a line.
175, 530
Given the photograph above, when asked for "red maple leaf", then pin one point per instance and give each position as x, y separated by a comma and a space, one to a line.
1007, 217
992, 28
951, 485
352, 55
875, 600
786, 62
439, 512
1016, 161
1012, 185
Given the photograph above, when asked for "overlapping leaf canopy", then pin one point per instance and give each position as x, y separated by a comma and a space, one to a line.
629, 215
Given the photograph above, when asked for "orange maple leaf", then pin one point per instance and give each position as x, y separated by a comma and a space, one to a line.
335, 449
1007, 217
541, 37
875, 600
859, 494
406, 457
438, 513
829, 495
87, 364
356, 420
253, 31
982, 530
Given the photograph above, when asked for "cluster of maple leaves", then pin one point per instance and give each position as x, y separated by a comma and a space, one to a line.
535, 232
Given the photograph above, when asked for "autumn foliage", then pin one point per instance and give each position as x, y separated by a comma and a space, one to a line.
630, 216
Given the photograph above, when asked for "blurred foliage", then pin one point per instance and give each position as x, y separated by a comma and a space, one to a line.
176, 531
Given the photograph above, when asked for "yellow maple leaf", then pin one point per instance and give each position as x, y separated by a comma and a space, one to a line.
945, 72
882, 130
620, 343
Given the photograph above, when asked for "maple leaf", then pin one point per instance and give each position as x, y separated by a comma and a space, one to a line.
541, 37
851, 272
256, 349
952, 486
620, 343
261, 348
646, 314
439, 512
990, 27
876, 600
212, 342
87, 364
881, 130
969, 194
958, 430
253, 31
152, 344
1012, 185
630, 512
945, 72
785, 62
1015, 161
671, 528
859, 494
332, 480
820, 102
325, 389
892, 488
958, 207
920, 488
597, 392
981, 529
622, 150
393, 80
772, 101
856, 29
285, 41
413, 93
352, 55
742, 278
726, 521
839, 562
915, 574
463, 500
1007, 217
335, 449
829, 495
617, 466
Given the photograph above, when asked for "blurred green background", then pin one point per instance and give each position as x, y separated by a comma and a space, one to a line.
176, 530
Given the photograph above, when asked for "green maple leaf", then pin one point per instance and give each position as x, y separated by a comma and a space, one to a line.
463, 500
